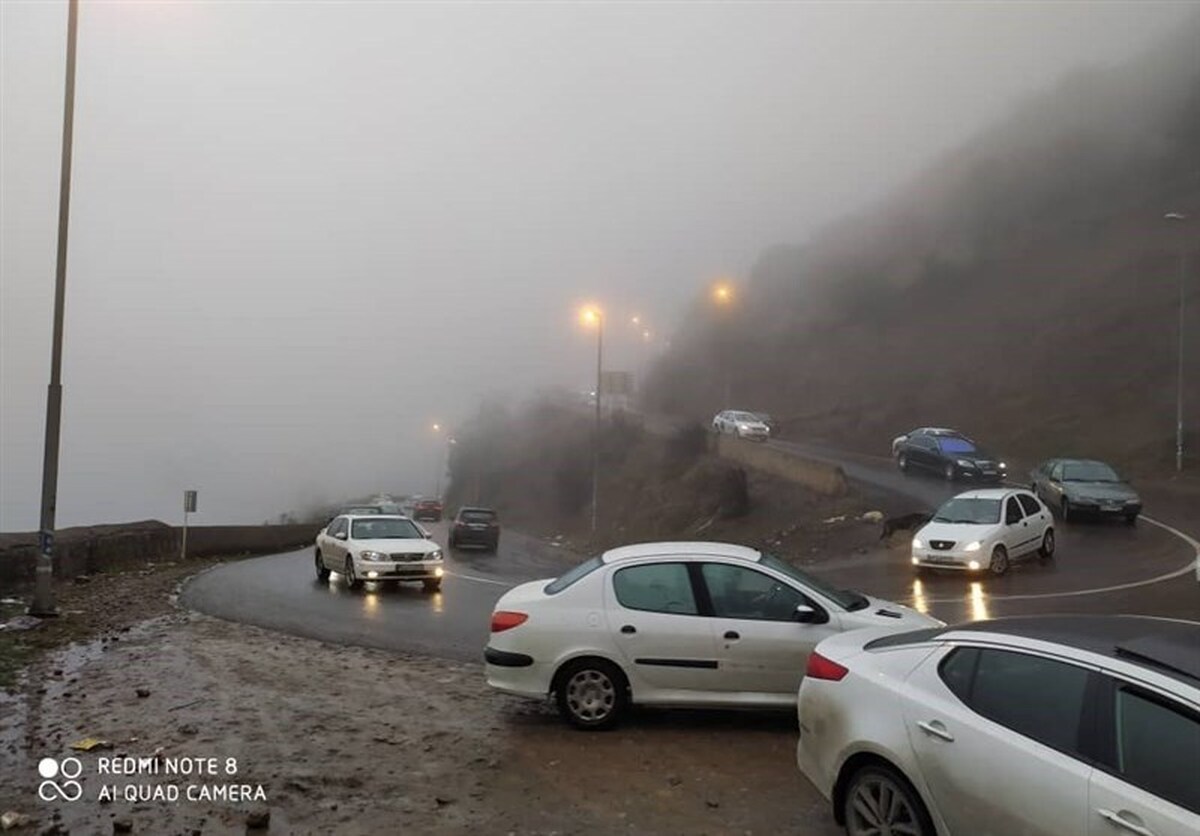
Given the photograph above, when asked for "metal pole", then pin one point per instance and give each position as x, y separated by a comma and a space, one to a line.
43, 593
596, 428
1179, 375
183, 542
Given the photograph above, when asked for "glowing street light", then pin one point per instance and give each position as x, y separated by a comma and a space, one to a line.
592, 316
722, 293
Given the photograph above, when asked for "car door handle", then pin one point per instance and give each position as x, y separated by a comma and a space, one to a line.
1120, 821
628, 628
935, 728
732, 634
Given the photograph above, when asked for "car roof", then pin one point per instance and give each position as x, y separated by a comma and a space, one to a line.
989, 493
375, 516
479, 508
1169, 647
681, 549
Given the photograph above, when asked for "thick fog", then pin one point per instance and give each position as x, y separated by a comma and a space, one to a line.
301, 233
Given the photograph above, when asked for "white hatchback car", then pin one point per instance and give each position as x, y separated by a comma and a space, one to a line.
742, 424
378, 547
1039, 726
985, 530
672, 624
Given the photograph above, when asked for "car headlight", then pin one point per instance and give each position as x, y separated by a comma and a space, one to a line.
436, 554
964, 463
972, 547
370, 555
973, 565
1003, 466
917, 543
743, 427
916, 560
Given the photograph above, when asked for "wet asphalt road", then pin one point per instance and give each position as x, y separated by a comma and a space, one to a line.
1099, 567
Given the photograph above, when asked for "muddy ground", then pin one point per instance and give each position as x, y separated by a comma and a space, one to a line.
357, 741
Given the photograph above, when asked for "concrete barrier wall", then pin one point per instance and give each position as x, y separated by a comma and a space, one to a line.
81, 551
825, 479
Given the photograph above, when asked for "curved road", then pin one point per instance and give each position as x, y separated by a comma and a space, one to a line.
1099, 567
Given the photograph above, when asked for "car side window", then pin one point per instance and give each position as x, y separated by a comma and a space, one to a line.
336, 526
1056, 472
656, 587
1040, 698
957, 670
1012, 511
1158, 747
737, 592
1029, 504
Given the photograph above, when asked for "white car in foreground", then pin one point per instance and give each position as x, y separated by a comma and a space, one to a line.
985, 530
742, 424
672, 624
1039, 726
378, 547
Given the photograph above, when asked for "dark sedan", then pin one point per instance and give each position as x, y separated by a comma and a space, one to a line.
1074, 487
950, 454
476, 527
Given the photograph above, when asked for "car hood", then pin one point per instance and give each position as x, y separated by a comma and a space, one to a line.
889, 614
1099, 490
977, 456
752, 425
954, 531
397, 546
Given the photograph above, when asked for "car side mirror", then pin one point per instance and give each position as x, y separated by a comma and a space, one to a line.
805, 614
341, 535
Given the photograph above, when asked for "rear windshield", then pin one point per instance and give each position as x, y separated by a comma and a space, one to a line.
572, 575
478, 516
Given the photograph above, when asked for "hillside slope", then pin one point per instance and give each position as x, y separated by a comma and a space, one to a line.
1025, 288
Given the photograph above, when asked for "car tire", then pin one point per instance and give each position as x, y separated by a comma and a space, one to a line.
999, 563
322, 569
949, 472
1046, 550
902, 462
434, 585
1131, 519
591, 694
1064, 509
352, 580
876, 788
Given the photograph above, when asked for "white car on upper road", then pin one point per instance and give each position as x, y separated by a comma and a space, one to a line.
672, 624
1038, 726
742, 424
378, 547
985, 531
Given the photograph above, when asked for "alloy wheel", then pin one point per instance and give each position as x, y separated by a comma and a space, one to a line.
591, 695
879, 807
999, 564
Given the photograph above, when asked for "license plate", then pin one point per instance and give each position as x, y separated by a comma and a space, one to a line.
937, 559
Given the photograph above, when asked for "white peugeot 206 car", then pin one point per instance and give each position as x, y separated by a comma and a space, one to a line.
1038, 726
378, 547
985, 530
672, 624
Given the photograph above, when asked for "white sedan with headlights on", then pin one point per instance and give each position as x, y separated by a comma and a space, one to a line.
742, 424
985, 530
672, 624
378, 547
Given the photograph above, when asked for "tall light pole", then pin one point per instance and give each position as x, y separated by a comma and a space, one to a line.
722, 295
1179, 216
43, 593
593, 316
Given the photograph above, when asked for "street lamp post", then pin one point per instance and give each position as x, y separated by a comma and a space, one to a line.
722, 295
594, 316
43, 593
1179, 216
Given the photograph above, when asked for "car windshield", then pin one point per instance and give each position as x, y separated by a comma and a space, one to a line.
954, 444
969, 511
386, 529
846, 598
572, 575
1089, 472
479, 516
744, 416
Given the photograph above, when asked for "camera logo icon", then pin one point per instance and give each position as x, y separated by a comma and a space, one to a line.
59, 779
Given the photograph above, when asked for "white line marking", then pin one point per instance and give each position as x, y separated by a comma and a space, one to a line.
1194, 563
479, 580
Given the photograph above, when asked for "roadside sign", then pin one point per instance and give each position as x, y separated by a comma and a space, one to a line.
189, 502
616, 383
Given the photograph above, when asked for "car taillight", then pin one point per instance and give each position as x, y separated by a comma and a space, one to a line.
821, 668
505, 620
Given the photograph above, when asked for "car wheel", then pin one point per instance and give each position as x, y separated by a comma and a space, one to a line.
434, 585
1047, 548
591, 694
1065, 509
948, 472
999, 563
1131, 519
902, 462
322, 569
352, 580
879, 800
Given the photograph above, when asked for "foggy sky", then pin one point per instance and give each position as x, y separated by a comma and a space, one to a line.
301, 232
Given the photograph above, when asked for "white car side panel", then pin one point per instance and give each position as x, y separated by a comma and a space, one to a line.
1115, 797
767, 656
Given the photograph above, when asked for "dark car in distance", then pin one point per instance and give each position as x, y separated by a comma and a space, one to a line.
476, 527
950, 454
428, 509
1075, 487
